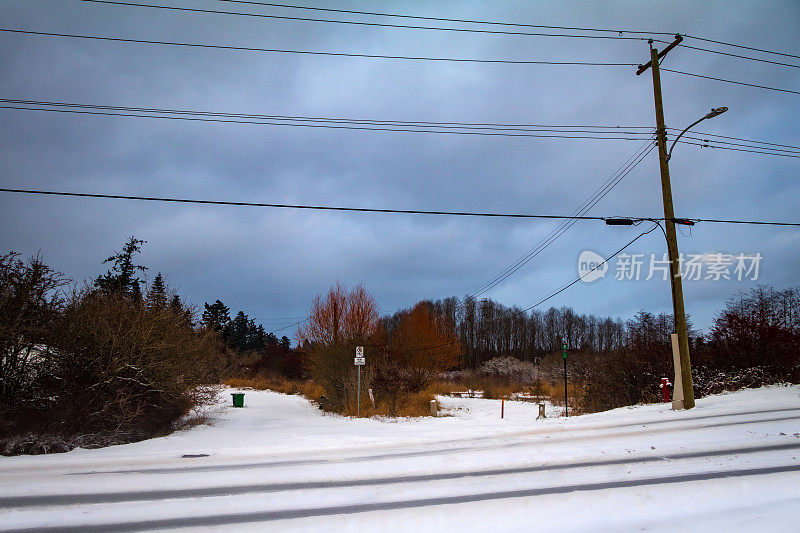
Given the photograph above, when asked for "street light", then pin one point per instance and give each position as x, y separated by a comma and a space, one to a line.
682, 360
715, 111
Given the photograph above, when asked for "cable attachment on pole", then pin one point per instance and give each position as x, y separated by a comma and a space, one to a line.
664, 52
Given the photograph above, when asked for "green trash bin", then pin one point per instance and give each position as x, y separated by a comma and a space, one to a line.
238, 399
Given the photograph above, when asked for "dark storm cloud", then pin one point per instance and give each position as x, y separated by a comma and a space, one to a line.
271, 263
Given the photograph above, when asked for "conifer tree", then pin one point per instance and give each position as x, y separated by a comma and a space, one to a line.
175, 304
122, 277
216, 317
238, 331
157, 294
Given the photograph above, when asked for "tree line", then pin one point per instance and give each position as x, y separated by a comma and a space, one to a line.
241, 333
112, 360
755, 340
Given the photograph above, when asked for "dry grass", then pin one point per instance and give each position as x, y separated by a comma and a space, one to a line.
309, 389
194, 421
416, 405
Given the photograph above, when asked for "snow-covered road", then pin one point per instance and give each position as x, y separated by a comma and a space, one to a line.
280, 464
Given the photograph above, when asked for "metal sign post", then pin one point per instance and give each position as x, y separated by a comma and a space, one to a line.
359, 362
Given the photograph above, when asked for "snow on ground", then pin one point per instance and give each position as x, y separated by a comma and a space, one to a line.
281, 464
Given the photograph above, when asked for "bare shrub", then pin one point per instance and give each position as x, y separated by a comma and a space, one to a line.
30, 302
393, 385
117, 365
338, 323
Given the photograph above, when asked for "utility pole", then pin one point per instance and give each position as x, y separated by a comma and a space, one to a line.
564, 356
669, 221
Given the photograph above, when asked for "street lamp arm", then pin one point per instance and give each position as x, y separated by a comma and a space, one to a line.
715, 111
695, 123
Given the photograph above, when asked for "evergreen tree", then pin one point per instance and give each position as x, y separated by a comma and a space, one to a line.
285, 342
157, 294
175, 304
122, 277
136, 293
216, 317
252, 335
238, 332
261, 338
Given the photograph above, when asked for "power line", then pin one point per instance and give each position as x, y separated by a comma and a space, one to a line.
556, 292
369, 209
729, 54
729, 81
618, 36
375, 56
444, 129
564, 134
752, 222
708, 145
361, 23
310, 52
570, 284
440, 19
294, 206
741, 46
713, 142
507, 24
286, 120
292, 325
624, 169
415, 123
738, 139
598, 195
207, 116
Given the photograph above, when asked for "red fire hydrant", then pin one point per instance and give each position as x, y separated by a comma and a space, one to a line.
666, 390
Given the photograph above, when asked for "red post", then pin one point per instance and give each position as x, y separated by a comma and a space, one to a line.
502, 406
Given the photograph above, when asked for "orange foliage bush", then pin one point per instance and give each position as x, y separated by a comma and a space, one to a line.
423, 346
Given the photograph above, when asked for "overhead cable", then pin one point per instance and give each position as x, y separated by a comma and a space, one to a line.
729, 81
557, 134
729, 54
369, 209
570, 284
310, 52
362, 23
415, 123
565, 225
617, 34
441, 19
425, 126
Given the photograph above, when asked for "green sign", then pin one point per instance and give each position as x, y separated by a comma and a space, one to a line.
564, 350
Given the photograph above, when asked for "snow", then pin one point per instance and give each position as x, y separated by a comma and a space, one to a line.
281, 464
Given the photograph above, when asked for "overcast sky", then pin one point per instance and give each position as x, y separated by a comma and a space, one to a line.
271, 262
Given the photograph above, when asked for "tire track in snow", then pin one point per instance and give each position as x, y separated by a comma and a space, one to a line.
446, 450
235, 490
269, 516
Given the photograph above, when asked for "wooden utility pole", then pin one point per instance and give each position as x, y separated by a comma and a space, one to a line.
669, 221
564, 356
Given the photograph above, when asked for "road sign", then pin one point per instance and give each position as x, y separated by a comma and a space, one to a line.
359, 363
564, 350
